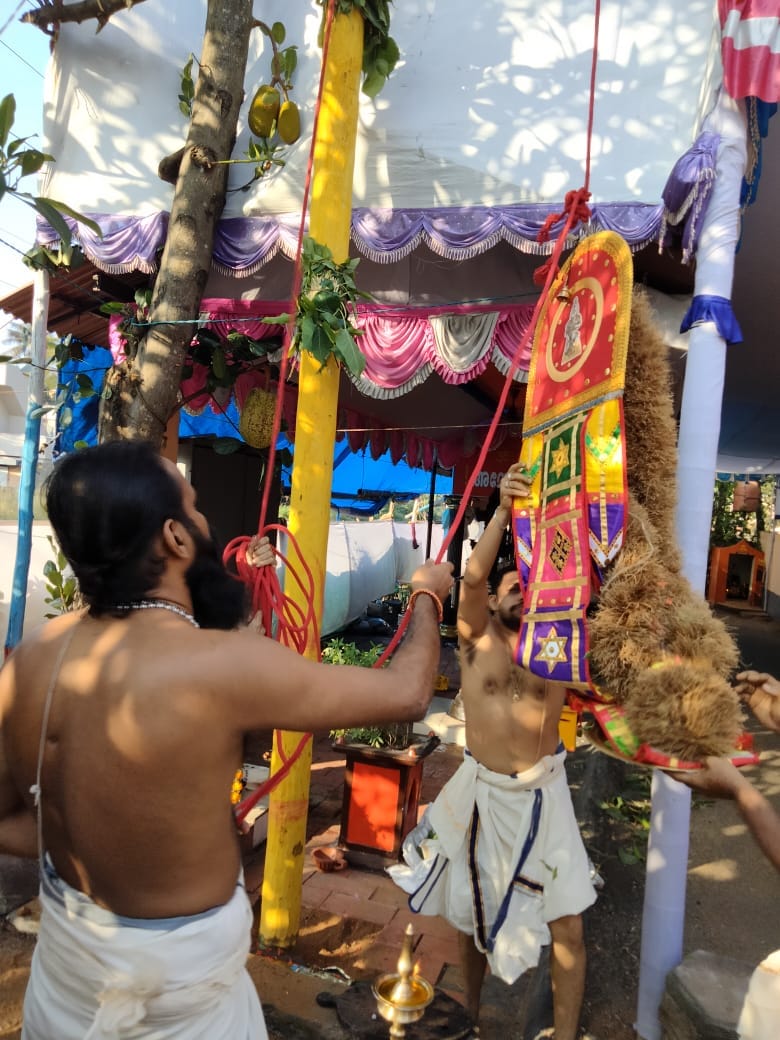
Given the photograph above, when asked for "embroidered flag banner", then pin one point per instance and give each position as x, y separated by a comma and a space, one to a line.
572, 523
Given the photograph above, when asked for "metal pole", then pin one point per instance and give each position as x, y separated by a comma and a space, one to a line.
431, 496
32, 437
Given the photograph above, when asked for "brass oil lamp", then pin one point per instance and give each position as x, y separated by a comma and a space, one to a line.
402, 996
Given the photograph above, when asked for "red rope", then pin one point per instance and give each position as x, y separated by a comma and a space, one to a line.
294, 625
575, 210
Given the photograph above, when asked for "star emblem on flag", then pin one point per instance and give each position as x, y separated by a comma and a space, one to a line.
552, 649
559, 458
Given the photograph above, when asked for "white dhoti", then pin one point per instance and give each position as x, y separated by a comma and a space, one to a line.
98, 976
760, 1018
499, 856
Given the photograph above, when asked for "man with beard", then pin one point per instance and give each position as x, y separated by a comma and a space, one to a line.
122, 730
505, 863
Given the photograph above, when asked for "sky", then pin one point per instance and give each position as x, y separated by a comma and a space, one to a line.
24, 54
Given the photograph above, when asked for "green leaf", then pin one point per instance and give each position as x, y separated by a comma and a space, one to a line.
349, 353
63, 207
278, 32
321, 343
327, 300
50, 571
306, 328
184, 108
47, 211
15, 145
80, 445
32, 160
113, 307
290, 61
7, 116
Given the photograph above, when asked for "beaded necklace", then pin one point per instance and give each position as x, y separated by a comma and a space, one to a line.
159, 604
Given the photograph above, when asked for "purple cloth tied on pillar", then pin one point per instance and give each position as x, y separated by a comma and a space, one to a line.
687, 194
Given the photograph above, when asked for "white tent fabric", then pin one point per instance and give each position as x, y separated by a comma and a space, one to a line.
488, 105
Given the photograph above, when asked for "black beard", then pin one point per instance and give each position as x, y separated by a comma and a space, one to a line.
509, 619
219, 600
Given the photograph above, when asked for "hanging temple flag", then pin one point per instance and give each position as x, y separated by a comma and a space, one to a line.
572, 524
750, 48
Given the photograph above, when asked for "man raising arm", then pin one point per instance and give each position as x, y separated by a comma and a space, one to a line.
512, 871
122, 727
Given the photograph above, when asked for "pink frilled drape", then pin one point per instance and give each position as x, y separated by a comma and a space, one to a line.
402, 347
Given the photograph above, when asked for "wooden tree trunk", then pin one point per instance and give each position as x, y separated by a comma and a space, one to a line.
141, 394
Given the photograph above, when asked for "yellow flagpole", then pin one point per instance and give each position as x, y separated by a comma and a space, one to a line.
315, 435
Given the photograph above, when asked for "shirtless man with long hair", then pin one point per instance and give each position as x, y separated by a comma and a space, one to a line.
122, 728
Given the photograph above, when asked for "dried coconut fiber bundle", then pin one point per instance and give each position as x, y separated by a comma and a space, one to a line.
606, 609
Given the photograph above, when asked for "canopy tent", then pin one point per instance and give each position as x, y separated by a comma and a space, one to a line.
430, 192
473, 144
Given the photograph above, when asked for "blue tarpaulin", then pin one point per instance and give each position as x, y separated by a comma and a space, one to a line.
365, 485
361, 484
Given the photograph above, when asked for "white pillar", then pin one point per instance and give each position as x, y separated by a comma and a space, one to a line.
667, 854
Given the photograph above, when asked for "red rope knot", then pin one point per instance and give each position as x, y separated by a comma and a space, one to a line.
577, 211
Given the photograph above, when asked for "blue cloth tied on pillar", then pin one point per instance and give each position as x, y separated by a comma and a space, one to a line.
719, 311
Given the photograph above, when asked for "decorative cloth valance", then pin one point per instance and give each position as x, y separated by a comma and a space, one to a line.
244, 244
402, 346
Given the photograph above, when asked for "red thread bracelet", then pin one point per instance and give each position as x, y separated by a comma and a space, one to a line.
434, 597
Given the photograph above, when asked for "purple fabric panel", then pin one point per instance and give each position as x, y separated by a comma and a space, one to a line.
127, 242
244, 242
616, 516
523, 534
636, 222
555, 671
241, 243
697, 163
386, 229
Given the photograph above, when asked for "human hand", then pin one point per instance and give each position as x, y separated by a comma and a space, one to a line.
259, 552
718, 778
515, 483
435, 577
761, 692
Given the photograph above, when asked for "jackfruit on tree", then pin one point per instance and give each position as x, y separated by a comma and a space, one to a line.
289, 122
263, 110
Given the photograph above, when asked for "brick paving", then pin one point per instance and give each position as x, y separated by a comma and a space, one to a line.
366, 900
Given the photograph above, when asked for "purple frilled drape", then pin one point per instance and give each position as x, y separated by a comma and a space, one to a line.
244, 244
